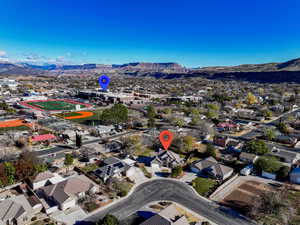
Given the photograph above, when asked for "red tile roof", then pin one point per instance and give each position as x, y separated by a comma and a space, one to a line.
43, 137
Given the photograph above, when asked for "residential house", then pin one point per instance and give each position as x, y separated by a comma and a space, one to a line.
15, 210
248, 157
112, 167
66, 193
211, 167
167, 216
167, 159
227, 126
285, 156
286, 139
295, 176
113, 146
221, 140
43, 179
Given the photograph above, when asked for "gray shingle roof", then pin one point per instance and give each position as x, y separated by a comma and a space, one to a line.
67, 188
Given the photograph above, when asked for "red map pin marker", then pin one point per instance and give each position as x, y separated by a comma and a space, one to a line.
166, 138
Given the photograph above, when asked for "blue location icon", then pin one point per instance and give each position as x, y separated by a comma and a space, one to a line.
104, 82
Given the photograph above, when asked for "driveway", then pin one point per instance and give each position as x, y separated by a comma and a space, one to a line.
138, 176
70, 216
170, 190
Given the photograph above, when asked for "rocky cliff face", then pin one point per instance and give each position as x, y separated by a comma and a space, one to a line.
269, 72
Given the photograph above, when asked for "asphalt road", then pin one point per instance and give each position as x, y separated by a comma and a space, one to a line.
61, 149
169, 190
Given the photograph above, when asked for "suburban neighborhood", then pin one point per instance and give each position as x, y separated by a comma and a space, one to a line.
68, 157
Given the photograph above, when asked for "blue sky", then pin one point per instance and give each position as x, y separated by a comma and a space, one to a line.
190, 32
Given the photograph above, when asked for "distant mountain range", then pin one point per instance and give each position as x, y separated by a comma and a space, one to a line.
269, 72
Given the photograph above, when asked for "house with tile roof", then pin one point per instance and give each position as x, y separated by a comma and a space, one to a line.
65, 194
211, 167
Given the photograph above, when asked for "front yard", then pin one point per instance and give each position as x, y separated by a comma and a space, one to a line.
204, 186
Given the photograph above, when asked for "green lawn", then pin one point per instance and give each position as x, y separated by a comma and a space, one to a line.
89, 168
203, 185
54, 105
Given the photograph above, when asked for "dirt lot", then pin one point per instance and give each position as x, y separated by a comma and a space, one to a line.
244, 194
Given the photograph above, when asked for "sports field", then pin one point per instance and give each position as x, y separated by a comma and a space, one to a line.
14, 125
83, 117
54, 104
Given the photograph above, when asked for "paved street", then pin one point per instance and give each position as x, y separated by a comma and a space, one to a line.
61, 149
172, 191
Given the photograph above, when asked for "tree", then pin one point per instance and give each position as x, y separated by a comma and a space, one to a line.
151, 113
195, 120
256, 147
179, 122
211, 151
251, 99
176, 171
167, 111
267, 113
116, 114
283, 172
213, 107
10, 172
131, 144
151, 122
188, 143
269, 134
268, 164
78, 140
212, 114
109, 220
68, 160
283, 128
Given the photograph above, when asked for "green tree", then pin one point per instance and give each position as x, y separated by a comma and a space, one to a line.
268, 164
212, 114
109, 220
68, 160
283, 172
78, 140
151, 122
176, 171
116, 114
188, 143
267, 113
257, 147
269, 134
195, 121
211, 150
167, 111
151, 113
283, 128
10, 172
213, 107
179, 122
